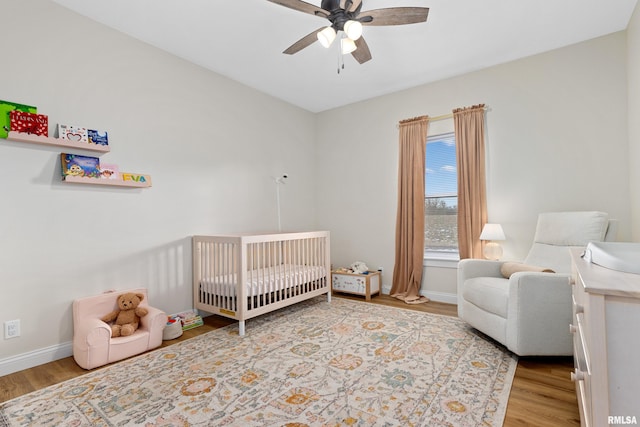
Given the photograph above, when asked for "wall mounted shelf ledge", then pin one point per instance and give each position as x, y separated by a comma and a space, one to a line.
57, 142
142, 182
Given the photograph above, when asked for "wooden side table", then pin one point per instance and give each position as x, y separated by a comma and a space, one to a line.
358, 284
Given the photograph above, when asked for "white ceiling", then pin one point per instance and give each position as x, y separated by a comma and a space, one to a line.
244, 40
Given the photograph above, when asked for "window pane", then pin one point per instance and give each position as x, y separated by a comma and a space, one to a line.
441, 198
441, 224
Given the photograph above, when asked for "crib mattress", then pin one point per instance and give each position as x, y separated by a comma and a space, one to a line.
264, 280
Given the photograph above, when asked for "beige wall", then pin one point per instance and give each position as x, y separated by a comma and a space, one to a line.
210, 145
633, 60
556, 140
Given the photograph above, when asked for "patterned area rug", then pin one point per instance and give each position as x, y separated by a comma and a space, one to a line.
344, 363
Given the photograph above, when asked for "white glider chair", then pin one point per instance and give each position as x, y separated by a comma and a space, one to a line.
518, 304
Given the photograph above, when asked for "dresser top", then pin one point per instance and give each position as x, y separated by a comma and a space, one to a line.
601, 280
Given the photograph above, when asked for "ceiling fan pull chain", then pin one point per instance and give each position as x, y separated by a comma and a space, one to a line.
340, 58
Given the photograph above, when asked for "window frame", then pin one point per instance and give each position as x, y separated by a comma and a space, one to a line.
440, 258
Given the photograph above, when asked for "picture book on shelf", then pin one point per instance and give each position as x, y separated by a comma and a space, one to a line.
73, 133
109, 171
75, 165
98, 137
5, 108
29, 123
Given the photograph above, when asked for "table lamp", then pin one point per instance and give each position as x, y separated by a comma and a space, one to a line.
491, 233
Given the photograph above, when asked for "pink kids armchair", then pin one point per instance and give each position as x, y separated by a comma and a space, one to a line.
92, 342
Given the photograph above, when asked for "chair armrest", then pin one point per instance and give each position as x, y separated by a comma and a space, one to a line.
91, 340
538, 289
539, 314
469, 268
92, 332
154, 322
152, 318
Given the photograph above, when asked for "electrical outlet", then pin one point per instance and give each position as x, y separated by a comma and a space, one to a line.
11, 329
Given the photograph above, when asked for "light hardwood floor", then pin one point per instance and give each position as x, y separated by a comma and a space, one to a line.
542, 393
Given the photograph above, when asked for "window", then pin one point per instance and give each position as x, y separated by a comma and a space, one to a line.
441, 197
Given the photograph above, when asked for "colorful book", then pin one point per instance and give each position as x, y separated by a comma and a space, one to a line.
73, 133
5, 108
192, 323
98, 137
75, 165
189, 319
29, 123
109, 171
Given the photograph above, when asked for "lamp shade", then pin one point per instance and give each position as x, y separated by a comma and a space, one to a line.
492, 232
348, 46
353, 29
326, 36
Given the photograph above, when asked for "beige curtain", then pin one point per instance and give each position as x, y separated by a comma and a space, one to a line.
472, 193
407, 271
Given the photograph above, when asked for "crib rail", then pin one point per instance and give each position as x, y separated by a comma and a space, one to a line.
243, 276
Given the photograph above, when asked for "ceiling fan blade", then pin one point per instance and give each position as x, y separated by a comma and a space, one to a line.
303, 42
302, 7
362, 53
350, 5
355, 5
395, 16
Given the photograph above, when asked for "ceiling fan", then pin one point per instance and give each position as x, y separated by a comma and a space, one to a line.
347, 16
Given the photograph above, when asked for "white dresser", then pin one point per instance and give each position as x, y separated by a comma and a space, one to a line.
606, 328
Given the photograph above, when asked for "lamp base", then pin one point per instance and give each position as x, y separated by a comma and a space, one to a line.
492, 250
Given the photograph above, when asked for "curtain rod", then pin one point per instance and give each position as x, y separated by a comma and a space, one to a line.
434, 119
444, 116
441, 117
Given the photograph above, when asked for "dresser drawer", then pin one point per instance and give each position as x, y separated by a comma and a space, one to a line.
582, 372
583, 401
580, 348
579, 294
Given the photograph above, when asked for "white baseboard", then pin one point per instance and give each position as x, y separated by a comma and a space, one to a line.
432, 295
441, 297
34, 358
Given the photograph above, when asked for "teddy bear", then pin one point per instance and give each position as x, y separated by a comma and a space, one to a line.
127, 318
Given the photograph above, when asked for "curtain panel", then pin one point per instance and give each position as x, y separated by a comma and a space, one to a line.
472, 193
407, 271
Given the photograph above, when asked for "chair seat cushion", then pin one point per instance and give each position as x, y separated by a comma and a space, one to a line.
123, 347
488, 293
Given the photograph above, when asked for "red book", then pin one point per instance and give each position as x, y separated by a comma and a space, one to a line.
34, 124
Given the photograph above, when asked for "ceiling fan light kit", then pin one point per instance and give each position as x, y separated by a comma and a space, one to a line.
347, 45
353, 29
326, 36
347, 16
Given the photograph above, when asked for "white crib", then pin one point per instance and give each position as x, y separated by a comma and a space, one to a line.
243, 276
